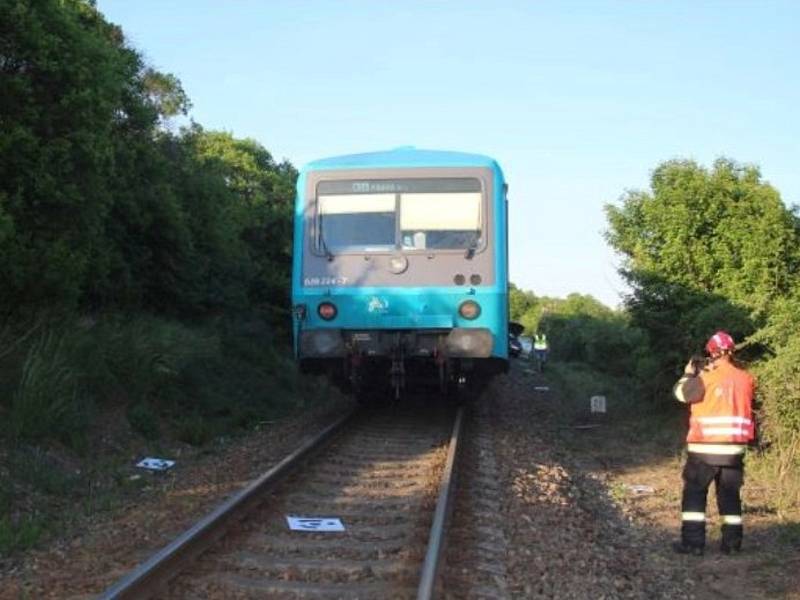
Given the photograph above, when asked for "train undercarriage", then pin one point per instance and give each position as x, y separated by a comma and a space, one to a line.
375, 364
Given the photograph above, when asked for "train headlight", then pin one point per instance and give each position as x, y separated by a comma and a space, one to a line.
327, 310
322, 343
469, 309
469, 343
398, 264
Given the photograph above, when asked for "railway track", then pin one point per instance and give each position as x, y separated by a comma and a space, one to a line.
386, 475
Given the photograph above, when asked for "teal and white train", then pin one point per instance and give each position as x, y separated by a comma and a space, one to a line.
400, 270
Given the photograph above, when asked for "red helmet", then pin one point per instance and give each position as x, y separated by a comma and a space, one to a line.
719, 343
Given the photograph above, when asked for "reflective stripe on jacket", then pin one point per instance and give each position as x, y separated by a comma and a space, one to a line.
724, 415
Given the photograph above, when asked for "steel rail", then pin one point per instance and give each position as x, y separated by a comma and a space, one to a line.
146, 580
430, 568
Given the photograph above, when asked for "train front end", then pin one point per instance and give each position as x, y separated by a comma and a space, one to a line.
400, 270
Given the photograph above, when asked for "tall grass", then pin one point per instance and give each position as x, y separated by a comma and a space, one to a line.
580, 381
140, 356
47, 401
190, 382
21, 534
195, 381
71, 368
776, 468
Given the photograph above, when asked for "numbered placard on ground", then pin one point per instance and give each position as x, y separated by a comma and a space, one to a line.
597, 404
155, 464
315, 523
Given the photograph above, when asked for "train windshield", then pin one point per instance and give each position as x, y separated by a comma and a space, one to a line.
364, 222
412, 214
449, 220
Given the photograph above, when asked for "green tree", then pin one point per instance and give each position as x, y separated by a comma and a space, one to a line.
73, 97
102, 206
519, 302
722, 231
164, 93
580, 328
703, 250
262, 197
707, 249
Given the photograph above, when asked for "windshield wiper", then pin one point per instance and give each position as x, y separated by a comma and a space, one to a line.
473, 245
325, 249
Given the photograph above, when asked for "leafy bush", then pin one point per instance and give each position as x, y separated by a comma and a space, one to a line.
709, 249
779, 386
193, 429
144, 420
779, 375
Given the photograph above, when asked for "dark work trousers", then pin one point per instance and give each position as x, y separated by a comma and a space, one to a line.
697, 476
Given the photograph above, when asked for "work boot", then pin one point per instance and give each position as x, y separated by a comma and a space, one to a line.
731, 548
681, 548
731, 539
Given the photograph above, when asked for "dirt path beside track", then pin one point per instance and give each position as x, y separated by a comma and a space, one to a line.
593, 507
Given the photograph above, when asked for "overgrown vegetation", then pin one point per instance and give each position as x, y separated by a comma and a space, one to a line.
703, 250
227, 370
583, 330
711, 249
101, 206
107, 216
156, 379
144, 269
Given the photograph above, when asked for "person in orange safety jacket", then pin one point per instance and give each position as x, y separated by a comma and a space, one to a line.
721, 424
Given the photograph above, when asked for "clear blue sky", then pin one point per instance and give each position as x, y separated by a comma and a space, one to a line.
579, 101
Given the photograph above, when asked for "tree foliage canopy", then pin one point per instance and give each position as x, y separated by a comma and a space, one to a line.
709, 249
722, 232
101, 206
579, 328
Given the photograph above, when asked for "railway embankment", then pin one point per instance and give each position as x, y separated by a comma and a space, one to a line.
553, 502
101, 546
83, 400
